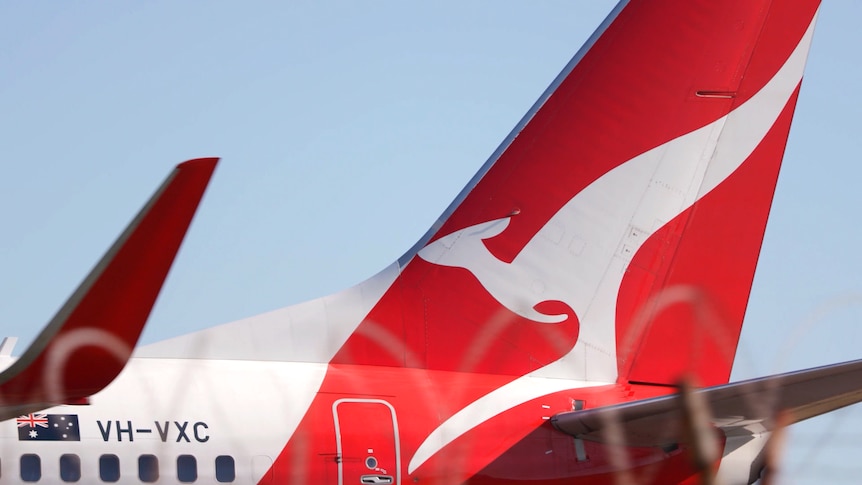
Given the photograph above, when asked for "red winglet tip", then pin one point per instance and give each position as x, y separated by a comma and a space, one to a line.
205, 162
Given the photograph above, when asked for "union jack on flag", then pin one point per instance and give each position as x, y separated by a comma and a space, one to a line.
33, 420
48, 427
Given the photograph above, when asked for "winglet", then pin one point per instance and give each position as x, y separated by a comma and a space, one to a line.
90, 339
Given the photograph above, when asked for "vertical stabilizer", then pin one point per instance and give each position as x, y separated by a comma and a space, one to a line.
615, 232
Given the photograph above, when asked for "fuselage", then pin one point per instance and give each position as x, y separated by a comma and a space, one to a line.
205, 421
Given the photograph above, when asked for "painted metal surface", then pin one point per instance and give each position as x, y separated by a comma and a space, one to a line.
553, 279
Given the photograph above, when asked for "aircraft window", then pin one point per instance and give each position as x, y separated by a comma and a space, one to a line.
70, 468
187, 468
225, 470
109, 468
31, 468
148, 468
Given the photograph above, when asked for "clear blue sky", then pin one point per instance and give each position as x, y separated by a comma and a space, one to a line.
345, 129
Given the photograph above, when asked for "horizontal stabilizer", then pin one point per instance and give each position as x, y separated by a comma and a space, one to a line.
745, 407
90, 339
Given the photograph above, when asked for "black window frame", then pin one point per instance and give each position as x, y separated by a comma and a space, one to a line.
148, 468
225, 468
70, 462
109, 459
190, 465
31, 467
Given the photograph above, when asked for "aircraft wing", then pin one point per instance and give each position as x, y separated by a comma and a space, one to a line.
744, 407
90, 339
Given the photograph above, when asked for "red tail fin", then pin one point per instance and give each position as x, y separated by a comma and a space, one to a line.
646, 170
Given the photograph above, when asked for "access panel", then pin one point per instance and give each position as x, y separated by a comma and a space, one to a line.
366, 433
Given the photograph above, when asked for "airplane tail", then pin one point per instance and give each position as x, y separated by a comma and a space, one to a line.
617, 229
614, 233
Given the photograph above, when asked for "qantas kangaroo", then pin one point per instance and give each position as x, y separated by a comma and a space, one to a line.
537, 333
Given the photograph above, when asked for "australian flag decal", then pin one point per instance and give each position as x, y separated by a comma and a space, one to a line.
48, 427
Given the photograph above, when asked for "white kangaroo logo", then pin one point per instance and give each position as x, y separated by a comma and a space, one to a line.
504, 281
